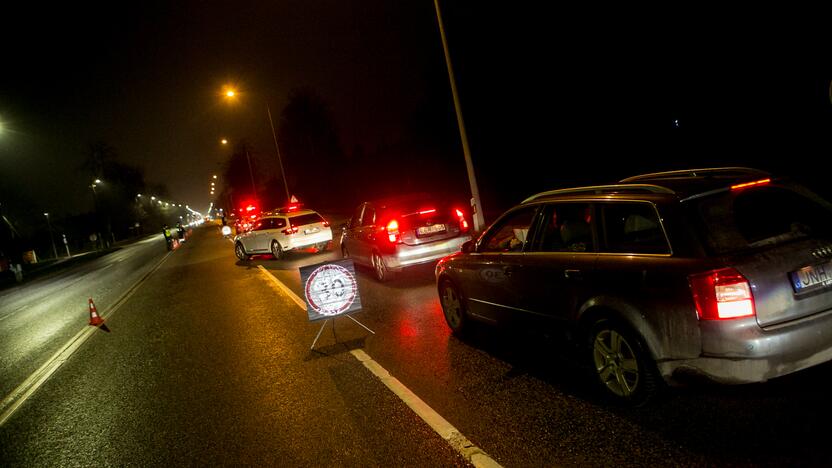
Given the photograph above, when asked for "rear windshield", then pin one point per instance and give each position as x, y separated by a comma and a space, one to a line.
303, 220
760, 216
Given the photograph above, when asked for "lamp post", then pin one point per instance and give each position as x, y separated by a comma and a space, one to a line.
95, 211
231, 94
479, 220
52, 237
279, 159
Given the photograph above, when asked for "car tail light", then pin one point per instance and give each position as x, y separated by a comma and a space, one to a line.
393, 231
325, 223
463, 224
722, 294
290, 230
428, 211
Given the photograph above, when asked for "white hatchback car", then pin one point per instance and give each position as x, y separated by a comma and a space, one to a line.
281, 231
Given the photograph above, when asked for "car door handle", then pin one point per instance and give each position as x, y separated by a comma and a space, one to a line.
572, 274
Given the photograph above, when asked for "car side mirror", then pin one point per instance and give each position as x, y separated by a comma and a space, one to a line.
468, 246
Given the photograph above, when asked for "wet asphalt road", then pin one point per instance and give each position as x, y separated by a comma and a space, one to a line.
208, 363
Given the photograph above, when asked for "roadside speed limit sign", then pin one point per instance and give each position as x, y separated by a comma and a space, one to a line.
330, 289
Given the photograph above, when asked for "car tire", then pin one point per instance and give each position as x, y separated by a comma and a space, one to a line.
380, 270
621, 363
240, 251
453, 307
277, 251
321, 246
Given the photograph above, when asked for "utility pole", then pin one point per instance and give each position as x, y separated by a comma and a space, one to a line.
476, 205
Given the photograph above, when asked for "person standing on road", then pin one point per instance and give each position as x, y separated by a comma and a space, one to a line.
168, 238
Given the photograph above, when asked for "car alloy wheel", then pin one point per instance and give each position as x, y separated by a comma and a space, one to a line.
276, 250
382, 273
452, 307
622, 366
240, 251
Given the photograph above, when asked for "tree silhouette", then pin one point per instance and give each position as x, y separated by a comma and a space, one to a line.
312, 155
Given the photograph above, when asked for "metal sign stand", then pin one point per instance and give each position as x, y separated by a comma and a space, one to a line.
333, 328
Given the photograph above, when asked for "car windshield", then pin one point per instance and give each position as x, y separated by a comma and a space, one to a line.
758, 217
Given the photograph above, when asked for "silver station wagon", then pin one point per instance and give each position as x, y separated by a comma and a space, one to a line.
722, 272
282, 231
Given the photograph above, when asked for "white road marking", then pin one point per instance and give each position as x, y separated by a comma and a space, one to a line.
300, 302
19, 395
440, 425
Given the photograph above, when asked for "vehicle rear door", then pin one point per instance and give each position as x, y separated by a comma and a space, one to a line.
559, 264
260, 234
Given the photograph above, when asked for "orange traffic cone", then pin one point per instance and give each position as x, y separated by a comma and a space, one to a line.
95, 319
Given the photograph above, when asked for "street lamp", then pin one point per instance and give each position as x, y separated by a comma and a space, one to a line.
54, 249
230, 94
94, 184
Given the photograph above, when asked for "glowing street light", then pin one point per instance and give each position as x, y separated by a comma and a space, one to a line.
225, 142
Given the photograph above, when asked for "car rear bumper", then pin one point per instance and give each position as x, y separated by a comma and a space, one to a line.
740, 351
409, 255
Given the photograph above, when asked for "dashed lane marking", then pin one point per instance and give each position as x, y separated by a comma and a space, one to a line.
440, 425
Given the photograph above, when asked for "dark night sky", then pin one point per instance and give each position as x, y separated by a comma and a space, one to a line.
551, 97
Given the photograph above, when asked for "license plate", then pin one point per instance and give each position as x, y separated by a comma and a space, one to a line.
432, 229
310, 231
812, 277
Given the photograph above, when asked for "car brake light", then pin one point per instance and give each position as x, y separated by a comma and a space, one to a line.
722, 294
428, 211
326, 223
463, 224
393, 231
750, 184
290, 230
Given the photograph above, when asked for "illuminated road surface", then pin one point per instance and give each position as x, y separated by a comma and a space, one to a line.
208, 363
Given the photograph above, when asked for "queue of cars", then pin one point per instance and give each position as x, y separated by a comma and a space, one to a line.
723, 273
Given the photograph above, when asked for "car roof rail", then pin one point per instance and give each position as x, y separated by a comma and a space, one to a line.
601, 189
703, 172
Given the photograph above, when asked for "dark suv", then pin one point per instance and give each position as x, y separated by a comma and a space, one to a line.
721, 272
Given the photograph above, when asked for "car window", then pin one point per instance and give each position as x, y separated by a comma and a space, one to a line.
261, 224
278, 223
303, 220
512, 233
355, 221
632, 228
756, 217
566, 227
369, 217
